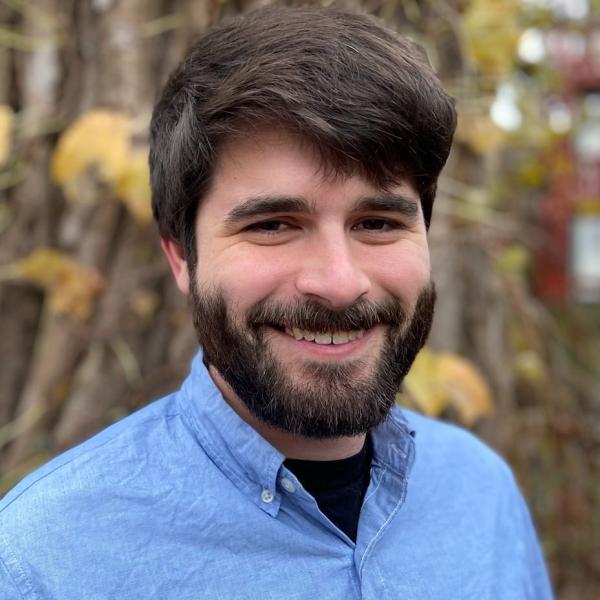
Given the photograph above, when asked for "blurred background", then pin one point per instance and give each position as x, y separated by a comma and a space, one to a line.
92, 328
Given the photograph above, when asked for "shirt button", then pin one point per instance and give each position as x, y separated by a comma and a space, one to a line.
267, 496
288, 485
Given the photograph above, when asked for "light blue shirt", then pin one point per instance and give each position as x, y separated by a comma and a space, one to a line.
184, 500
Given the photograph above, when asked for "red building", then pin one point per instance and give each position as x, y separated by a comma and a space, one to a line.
568, 266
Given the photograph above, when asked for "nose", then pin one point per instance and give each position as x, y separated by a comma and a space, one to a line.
331, 274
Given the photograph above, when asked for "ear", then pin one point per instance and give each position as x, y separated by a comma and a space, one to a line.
175, 256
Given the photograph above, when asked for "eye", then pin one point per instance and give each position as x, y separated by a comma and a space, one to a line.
269, 227
376, 225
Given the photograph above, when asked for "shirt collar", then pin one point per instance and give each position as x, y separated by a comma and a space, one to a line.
248, 460
394, 444
245, 457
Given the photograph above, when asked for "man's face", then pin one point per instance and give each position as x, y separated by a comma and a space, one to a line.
312, 294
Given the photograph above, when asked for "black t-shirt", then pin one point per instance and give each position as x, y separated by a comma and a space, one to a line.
338, 486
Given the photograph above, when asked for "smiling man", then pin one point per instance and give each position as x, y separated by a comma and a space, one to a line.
294, 160
311, 296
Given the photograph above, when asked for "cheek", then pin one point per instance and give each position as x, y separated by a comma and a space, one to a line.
403, 276
246, 275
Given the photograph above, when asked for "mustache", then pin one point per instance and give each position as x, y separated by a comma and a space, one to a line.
311, 315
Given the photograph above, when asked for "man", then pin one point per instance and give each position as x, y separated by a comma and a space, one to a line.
294, 159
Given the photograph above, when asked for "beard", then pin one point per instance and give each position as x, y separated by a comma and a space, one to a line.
328, 399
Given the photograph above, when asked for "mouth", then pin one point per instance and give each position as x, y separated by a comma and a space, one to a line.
334, 344
324, 338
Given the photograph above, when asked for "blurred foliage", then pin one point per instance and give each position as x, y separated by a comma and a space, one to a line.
98, 138
491, 30
71, 287
6, 119
442, 381
101, 139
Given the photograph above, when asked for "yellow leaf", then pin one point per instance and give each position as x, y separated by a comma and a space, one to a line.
465, 387
97, 139
133, 186
530, 367
437, 381
480, 133
42, 266
71, 286
423, 386
531, 173
144, 303
6, 121
492, 34
514, 260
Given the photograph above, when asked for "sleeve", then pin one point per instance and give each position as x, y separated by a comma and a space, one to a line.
537, 582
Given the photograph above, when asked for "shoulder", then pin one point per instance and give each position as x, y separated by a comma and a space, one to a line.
462, 496
101, 458
439, 440
455, 473
75, 494
456, 457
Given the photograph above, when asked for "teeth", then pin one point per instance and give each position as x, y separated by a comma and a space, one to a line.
340, 337
308, 335
324, 338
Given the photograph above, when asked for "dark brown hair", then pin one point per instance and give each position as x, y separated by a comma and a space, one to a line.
364, 96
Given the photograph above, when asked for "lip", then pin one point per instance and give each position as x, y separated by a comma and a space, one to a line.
338, 351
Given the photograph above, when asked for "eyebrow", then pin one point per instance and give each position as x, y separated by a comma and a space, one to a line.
388, 203
264, 205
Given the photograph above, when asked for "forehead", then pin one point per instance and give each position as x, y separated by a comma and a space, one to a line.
249, 156
277, 162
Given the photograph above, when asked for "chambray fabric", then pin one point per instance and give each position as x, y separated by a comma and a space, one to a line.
184, 500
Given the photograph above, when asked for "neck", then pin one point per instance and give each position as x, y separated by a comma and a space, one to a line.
289, 444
